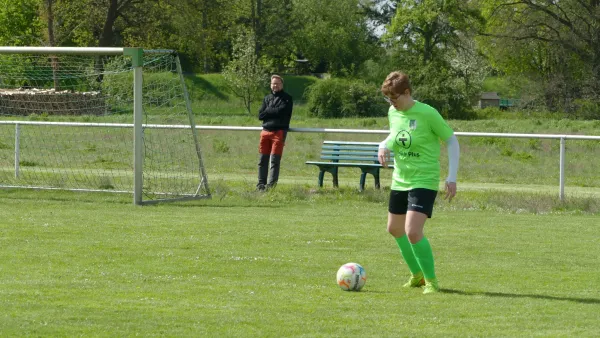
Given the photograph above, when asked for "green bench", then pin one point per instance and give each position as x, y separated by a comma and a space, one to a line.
338, 154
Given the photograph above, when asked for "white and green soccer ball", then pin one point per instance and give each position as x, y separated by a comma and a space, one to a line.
351, 277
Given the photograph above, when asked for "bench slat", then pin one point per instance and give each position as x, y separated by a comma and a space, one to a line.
344, 164
331, 148
351, 153
352, 143
350, 158
363, 155
349, 146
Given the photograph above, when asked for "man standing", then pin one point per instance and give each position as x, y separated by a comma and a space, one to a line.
275, 114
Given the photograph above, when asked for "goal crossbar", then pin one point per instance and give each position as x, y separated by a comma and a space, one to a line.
139, 108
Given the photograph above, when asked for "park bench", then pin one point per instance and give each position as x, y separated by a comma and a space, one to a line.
338, 154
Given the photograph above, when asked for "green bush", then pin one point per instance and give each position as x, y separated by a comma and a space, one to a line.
220, 146
118, 87
364, 100
158, 88
450, 102
587, 109
490, 113
325, 98
334, 98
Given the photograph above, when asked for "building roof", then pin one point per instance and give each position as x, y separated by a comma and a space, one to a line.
490, 96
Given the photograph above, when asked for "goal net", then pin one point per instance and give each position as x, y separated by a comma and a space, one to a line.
98, 119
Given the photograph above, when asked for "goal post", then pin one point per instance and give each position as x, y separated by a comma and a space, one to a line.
66, 107
137, 62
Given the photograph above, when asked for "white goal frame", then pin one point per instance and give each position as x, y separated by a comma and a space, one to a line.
136, 55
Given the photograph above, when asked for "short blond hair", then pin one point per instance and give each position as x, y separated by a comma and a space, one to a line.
275, 76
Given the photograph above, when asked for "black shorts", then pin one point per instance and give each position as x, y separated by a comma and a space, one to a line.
420, 200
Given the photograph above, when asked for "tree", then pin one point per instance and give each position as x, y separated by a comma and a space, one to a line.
380, 11
199, 25
20, 23
273, 24
275, 32
571, 24
52, 42
244, 73
430, 41
99, 22
469, 67
334, 36
427, 27
559, 41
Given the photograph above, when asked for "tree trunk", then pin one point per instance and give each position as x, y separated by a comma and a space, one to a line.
595, 90
258, 31
427, 48
106, 38
253, 15
203, 37
52, 43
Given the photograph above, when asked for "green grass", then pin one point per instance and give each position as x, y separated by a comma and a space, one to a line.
513, 260
263, 265
231, 156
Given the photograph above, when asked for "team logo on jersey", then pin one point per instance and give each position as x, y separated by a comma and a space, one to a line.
403, 139
412, 124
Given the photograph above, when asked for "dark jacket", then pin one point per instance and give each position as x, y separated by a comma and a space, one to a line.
276, 111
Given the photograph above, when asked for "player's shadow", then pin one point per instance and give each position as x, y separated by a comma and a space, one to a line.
516, 295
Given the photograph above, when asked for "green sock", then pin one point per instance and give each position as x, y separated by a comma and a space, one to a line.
407, 252
424, 255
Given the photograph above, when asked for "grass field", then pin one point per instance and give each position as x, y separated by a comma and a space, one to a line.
513, 260
493, 161
232, 155
263, 265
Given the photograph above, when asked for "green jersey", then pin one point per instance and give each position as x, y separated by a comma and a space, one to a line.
415, 140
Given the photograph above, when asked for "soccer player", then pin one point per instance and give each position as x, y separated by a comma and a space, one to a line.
415, 132
275, 114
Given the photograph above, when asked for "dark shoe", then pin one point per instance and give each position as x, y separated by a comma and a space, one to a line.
261, 187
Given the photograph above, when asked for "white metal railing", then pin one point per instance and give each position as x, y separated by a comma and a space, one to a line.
63, 50
561, 137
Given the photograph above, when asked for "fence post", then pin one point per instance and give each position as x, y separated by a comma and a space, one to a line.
561, 192
17, 148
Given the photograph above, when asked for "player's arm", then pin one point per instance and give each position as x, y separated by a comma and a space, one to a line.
453, 157
383, 154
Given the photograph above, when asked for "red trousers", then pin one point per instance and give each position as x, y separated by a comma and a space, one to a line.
272, 142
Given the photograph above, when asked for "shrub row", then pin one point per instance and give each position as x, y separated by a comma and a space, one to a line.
333, 98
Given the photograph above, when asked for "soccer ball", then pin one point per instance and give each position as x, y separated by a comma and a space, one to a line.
351, 277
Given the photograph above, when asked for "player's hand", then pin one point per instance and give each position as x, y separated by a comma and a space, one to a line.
450, 191
384, 156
